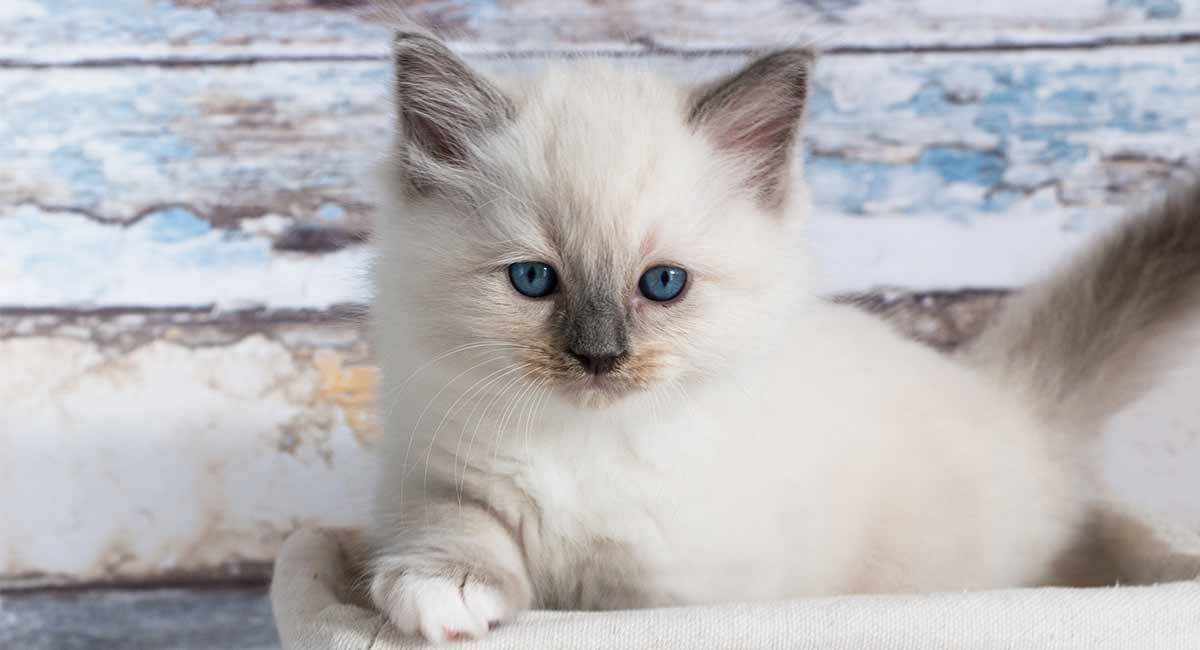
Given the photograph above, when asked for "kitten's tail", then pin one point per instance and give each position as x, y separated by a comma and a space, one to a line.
1095, 335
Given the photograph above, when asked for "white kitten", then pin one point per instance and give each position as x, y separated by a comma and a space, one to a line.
608, 384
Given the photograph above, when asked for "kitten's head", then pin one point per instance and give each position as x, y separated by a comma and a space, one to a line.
604, 232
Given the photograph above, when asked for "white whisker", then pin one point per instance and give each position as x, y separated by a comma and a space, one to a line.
428, 405
393, 395
479, 397
479, 422
542, 389
507, 415
446, 416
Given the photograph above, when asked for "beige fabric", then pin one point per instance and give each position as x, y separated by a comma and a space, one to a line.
314, 612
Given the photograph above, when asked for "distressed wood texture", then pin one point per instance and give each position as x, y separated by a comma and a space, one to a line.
73, 32
248, 184
221, 618
171, 445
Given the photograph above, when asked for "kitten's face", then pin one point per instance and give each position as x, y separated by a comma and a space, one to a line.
596, 237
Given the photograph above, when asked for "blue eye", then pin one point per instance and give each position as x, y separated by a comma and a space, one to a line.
662, 283
533, 279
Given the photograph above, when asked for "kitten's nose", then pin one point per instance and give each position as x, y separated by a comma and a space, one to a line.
597, 364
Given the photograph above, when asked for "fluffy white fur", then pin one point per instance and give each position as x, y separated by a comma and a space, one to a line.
758, 442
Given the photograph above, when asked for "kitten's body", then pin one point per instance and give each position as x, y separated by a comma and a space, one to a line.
755, 442
725, 499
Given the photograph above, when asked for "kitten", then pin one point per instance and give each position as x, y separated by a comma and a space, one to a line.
609, 383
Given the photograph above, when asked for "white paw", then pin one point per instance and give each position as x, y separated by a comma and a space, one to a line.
441, 608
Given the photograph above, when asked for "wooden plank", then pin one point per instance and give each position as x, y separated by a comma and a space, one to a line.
176, 445
248, 184
173, 446
68, 32
218, 618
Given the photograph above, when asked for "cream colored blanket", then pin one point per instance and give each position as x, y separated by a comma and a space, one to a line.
314, 611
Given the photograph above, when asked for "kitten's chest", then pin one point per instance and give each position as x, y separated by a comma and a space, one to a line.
618, 525
597, 530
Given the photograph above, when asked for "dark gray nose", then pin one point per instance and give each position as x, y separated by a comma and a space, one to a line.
595, 333
598, 364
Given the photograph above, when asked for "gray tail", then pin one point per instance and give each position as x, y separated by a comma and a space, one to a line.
1096, 334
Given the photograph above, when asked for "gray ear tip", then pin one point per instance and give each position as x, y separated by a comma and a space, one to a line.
796, 57
414, 41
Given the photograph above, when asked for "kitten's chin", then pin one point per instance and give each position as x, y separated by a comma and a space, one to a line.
598, 392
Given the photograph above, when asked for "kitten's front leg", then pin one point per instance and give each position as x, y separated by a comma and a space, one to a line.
452, 572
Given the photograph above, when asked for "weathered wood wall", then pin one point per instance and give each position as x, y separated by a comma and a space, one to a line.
183, 204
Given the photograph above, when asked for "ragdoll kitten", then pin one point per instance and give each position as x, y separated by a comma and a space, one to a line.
608, 382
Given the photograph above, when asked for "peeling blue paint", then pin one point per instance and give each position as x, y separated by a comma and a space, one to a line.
994, 119
930, 100
377, 74
1078, 103
159, 148
1153, 9
820, 99
1048, 132
964, 166
1061, 151
943, 136
63, 258
485, 12
1041, 118
1105, 74
84, 173
331, 212
58, 110
1014, 96
1016, 88
846, 183
1001, 199
1127, 118
173, 225
246, 253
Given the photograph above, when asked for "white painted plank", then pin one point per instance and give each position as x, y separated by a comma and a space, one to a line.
72, 32
928, 171
160, 446
169, 257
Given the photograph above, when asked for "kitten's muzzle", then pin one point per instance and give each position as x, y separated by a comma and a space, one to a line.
597, 364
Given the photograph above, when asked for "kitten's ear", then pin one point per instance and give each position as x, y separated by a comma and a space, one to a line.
442, 104
755, 115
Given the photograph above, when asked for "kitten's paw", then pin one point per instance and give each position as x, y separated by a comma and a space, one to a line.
442, 606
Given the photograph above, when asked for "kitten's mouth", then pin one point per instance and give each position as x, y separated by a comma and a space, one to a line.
636, 374
597, 389
608, 384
